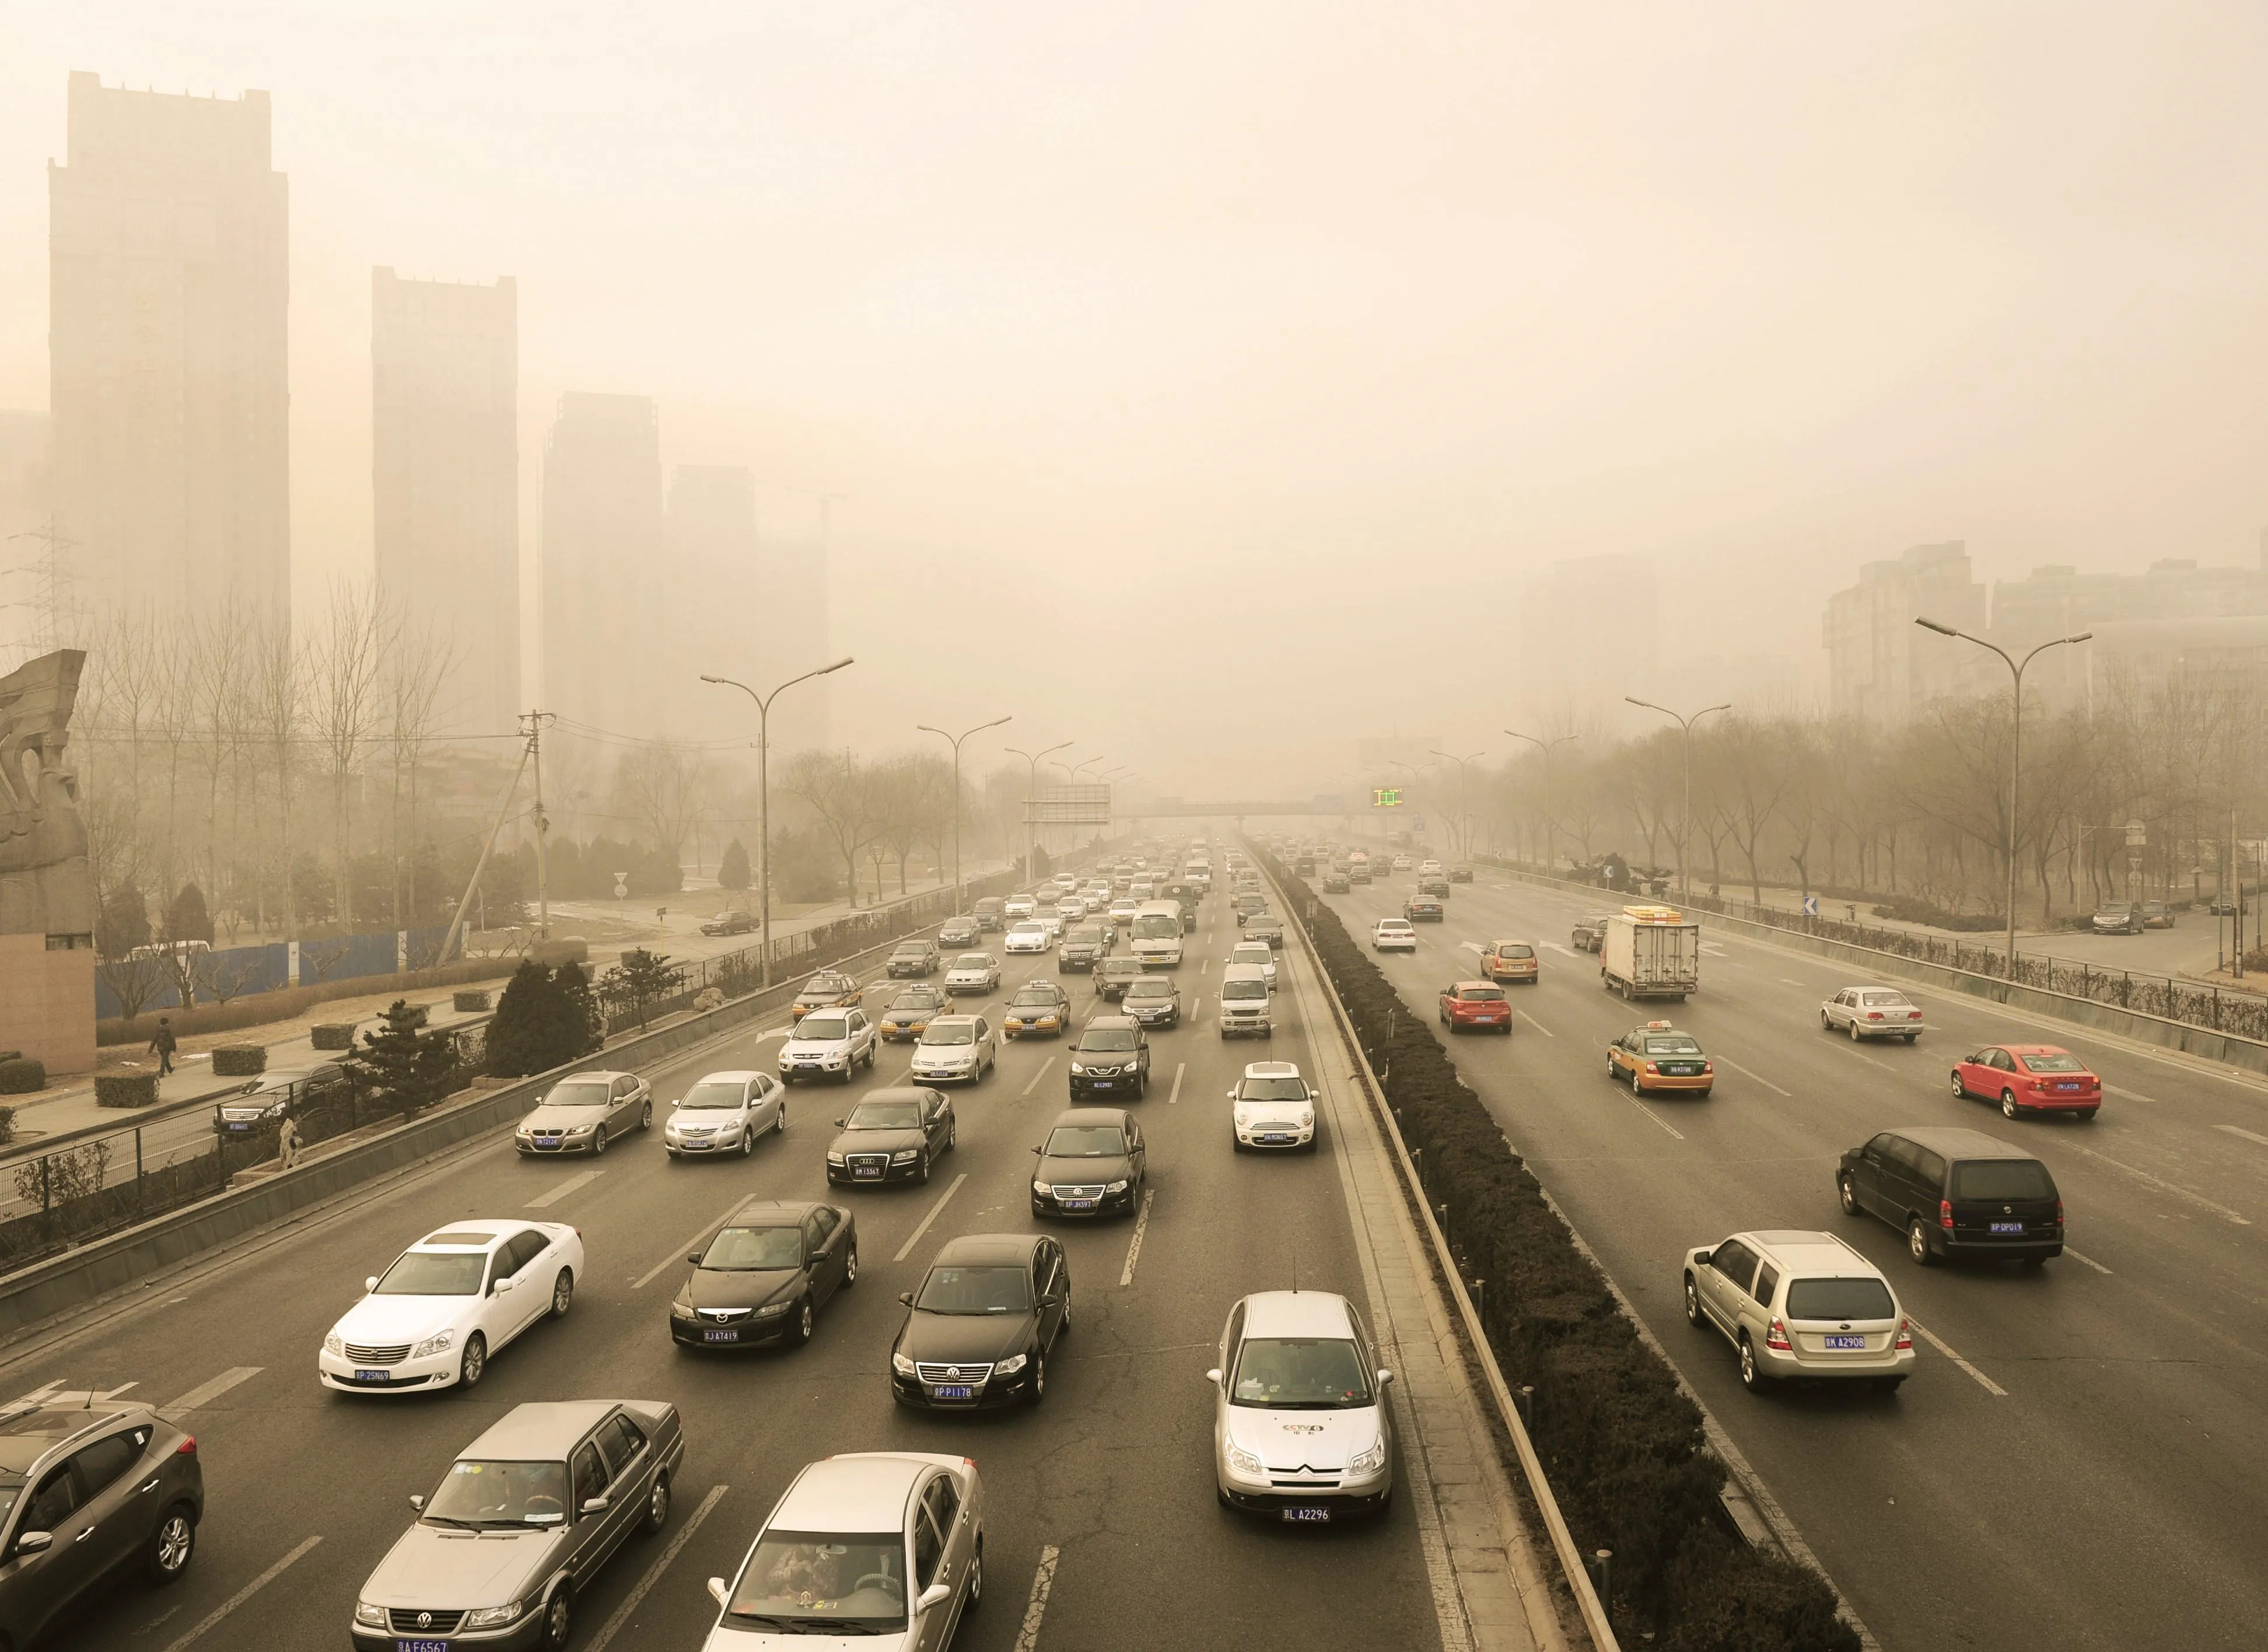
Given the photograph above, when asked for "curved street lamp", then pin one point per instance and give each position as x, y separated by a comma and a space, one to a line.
956, 740
1550, 854
1031, 791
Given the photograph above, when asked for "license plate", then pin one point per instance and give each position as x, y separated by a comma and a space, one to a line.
1275, 1138
234, 1124
1077, 1204
421, 1646
373, 1376
2007, 1227
720, 1336
1488, 1018
1306, 1516
866, 1172
1853, 1342
695, 1147
1102, 1084
958, 1391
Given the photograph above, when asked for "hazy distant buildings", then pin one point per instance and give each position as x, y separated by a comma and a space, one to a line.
750, 607
167, 293
1565, 614
605, 613
27, 572
1881, 666
444, 481
2174, 604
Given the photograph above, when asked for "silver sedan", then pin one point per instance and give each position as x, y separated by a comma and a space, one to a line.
726, 1112
1872, 1012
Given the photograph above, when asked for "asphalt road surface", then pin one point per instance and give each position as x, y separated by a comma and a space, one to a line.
308, 1489
2093, 1474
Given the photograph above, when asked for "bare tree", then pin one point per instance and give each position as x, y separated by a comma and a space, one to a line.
839, 791
661, 785
412, 675
345, 669
276, 718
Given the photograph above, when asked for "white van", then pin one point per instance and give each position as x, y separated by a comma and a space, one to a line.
1244, 1005
1257, 953
1157, 934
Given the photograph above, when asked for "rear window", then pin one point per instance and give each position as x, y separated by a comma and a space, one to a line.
1840, 1299
2002, 1178
1483, 994
2052, 1064
1514, 950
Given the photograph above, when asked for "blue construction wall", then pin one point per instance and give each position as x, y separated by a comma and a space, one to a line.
267, 969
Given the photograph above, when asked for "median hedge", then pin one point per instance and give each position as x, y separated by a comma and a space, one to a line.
1621, 1445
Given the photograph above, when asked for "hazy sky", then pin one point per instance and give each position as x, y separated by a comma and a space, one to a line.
1170, 352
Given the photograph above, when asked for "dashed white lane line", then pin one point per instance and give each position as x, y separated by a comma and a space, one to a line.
1788, 981
1565, 952
1532, 1022
2089, 1261
543, 1201
1204, 964
1041, 1073
2163, 1186
2233, 1131
1134, 1245
1758, 1077
914, 1238
630, 1603
221, 1611
1657, 1117
1937, 1342
1180, 1067
205, 1392
677, 1252
1043, 1581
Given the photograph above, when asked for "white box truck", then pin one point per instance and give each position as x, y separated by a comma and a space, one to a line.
1651, 952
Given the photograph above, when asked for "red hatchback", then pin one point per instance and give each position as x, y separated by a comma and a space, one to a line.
2029, 1079
1480, 1004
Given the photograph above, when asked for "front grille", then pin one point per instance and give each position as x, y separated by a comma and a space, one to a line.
974, 1376
415, 1621
393, 1354
1098, 1073
1320, 1483
870, 1160
724, 1315
1094, 1191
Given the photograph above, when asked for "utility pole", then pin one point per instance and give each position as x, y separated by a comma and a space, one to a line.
1551, 853
531, 725
956, 740
1031, 791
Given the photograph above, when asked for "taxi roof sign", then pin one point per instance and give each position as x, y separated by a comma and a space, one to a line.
1653, 914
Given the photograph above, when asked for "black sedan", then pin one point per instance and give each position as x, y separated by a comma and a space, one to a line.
959, 931
1092, 1164
1152, 1000
979, 1331
764, 1278
1268, 927
1337, 883
893, 1135
1113, 975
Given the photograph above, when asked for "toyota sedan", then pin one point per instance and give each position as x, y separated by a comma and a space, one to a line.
724, 1113
449, 1303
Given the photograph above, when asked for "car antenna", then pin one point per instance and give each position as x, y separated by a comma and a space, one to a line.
1295, 1272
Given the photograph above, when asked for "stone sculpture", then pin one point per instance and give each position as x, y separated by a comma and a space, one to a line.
47, 886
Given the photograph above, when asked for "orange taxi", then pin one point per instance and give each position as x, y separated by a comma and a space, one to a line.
1657, 1057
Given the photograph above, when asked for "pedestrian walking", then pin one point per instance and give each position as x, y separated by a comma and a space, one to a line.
287, 1143
162, 1045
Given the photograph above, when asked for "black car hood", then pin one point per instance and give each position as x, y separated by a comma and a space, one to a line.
877, 1141
721, 1288
1082, 1172
964, 1339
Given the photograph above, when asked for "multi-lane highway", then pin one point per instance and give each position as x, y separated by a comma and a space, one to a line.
308, 1489
2078, 1459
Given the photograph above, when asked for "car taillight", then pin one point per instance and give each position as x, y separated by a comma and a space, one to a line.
1776, 1337
1652, 1068
2058, 1213
1708, 1067
1905, 1335
1913, 1014
1874, 1015
187, 1448
1945, 1214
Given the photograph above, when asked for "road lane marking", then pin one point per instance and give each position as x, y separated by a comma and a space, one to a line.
242, 1595
2163, 1186
1758, 1077
205, 1393
1204, 964
1657, 1117
1565, 952
1180, 1067
544, 1200
1043, 1581
646, 1278
653, 1572
1134, 1245
1532, 1022
1937, 1342
915, 1238
2090, 1261
2234, 1130
1786, 981
1041, 1073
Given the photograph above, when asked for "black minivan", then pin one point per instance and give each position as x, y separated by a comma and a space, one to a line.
1955, 1193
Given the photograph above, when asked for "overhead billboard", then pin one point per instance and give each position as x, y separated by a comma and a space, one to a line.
1068, 806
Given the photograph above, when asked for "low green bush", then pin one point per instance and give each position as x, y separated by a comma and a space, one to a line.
125, 1089
240, 1061
472, 1000
332, 1035
21, 1075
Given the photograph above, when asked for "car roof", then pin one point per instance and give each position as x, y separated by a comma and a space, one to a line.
988, 1247
731, 1075
1952, 1142
490, 1228
1799, 1250
1085, 1116
1298, 1314
28, 1434
540, 1429
947, 1021
608, 1073
862, 1492
1112, 1023
1272, 1070
2031, 1049
898, 1093
1459, 986
760, 1213
1243, 971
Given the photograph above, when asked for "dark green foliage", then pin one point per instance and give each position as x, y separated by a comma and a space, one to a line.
124, 923
732, 870
186, 918
804, 869
20, 1075
1043, 866
239, 1061
639, 981
404, 1069
125, 1089
545, 1019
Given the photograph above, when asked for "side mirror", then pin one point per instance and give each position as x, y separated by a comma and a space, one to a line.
1232, 1095
678, 1101
1214, 1377
1051, 1300
907, 1297
35, 1542
1701, 1258
1035, 1150
369, 1284
595, 1505
1385, 1377
694, 1256
719, 1593
500, 1287
935, 1596
839, 1124
417, 1501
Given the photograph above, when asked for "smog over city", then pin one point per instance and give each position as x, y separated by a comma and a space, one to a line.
573, 545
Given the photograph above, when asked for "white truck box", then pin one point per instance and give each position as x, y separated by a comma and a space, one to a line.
1651, 952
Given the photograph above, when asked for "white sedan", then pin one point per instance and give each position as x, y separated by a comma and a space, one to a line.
972, 972
1019, 907
434, 1318
724, 1113
1872, 1012
1030, 935
1394, 935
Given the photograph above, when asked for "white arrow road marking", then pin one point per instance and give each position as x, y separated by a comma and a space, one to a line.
915, 1238
243, 1594
544, 1200
653, 1572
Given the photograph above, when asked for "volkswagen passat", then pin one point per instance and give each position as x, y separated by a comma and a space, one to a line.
584, 1111
885, 1547
954, 1050
521, 1520
724, 1113
1272, 1106
449, 1303
765, 1276
979, 1331
1301, 1430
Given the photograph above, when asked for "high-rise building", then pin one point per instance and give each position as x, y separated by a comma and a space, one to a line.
1884, 668
28, 567
1566, 674
2174, 598
167, 286
747, 606
605, 580
445, 483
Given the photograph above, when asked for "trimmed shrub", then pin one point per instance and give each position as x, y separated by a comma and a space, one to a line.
545, 1019
332, 1035
466, 1002
7, 1125
240, 1061
19, 1075
125, 1089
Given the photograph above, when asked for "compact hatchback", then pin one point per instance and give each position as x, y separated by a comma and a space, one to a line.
1955, 1193
1512, 962
2029, 1079
1301, 1431
1796, 1304
1479, 1006
1272, 1106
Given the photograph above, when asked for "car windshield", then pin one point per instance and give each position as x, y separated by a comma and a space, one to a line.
714, 1095
1087, 934
1675, 1045
1031, 1000
1032, 928
952, 1033
489, 1493
808, 1582
744, 1249
972, 961
1273, 1090
2056, 1063
579, 1093
884, 1116
822, 986
2002, 1178
820, 1027
1149, 986
1839, 1299
1157, 925
989, 1289
272, 1083
1086, 1142
1299, 1374
1108, 1038
1244, 989
434, 1273
1250, 952
910, 952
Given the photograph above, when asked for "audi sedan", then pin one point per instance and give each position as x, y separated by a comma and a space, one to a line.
1301, 1430
2029, 1079
1091, 1164
449, 1303
724, 1113
765, 1276
1393, 934
979, 1329
893, 1135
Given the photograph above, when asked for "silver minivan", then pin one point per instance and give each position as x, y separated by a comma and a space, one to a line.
1244, 1008
1800, 1304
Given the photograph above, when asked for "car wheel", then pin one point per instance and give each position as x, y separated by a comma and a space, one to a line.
657, 1505
645, 1117
748, 1141
779, 1126
952, 1137
559, 1621
1849, 1195
562, 1293
1918, 1243
2009, 1108
2086, 1114
850, 1268
1692, 1301
1854, 1030
975, 1595
921, 1174
1752, 1376
1959, 1090
799, 1332
849, 1070
474, 1363
172, 1546
1610, 1066
1039, 1377
1638, 1084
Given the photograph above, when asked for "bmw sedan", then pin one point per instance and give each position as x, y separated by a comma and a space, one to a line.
449, 1303
765, 1276
1301, 1430
724, 1113
584, 1111
979, 1330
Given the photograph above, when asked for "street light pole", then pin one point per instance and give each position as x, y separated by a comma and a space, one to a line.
1031, 791
764, 788
1550, 853
1464, 812
2015, 742
1684, 808
956, 740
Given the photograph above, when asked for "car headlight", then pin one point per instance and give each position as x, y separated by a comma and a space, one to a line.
1077, 1068
580, 1130
277, 1111
335, 1345
440, 1342
835, 1159
1307, 1121
680, 1309
902, 1365
489, 1617
366, 1613
1010, 1365
1371, 1461
905, 1156
1118, 1186
1242, 1461
773, 1310
1041, 1187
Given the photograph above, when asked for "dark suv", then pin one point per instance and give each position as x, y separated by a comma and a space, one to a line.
1080, 948
1112, 1057
1955, 1193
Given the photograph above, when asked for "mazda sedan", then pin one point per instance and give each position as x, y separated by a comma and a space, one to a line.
765, 1276
979, 1330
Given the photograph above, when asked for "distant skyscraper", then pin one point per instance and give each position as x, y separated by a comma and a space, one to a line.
444, 481
1567, 670
28, 571
1883, 668
168, 282
606, 606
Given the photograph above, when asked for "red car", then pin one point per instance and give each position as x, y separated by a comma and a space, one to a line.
2029, 1079
1475, 1003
